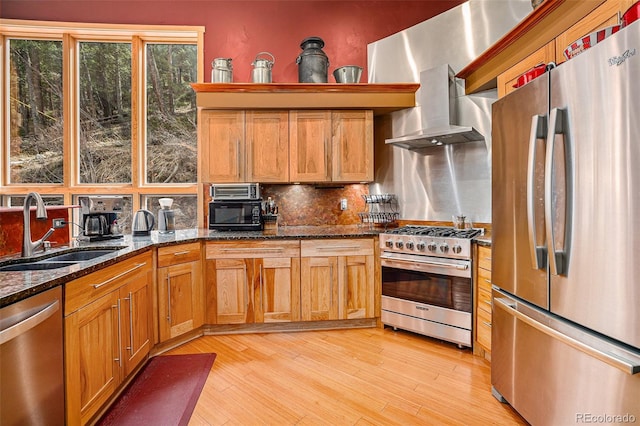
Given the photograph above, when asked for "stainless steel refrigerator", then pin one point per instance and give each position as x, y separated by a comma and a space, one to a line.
566, 239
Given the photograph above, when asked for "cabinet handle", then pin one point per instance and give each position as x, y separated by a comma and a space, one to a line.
488, 324
487, 281
246, 287
252, 250
238, 159
169, 299
138, 265
330, 286
130, 300
487, 258
339, 248
488, 302
181, 253
261, 284
119, 358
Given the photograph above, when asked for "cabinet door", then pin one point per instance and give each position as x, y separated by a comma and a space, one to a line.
230, 279
267, 142
222, 139
180, 299
356, 286
93, 357
277, 289
319, 288
352, 146
603, 16
310, 144
509, 78
135, 322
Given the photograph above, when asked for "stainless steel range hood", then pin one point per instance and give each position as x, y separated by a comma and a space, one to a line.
437, 102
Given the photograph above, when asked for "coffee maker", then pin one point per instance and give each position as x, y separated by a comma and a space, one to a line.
99, 217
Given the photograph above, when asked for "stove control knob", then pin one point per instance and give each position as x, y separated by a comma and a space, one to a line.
399, 244
456, 249
421, 246
389, 243
444, 247
409, 245
432, 246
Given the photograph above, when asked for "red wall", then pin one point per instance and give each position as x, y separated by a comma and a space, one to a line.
241, 29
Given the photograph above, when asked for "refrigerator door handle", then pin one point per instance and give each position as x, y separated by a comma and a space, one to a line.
538, 132
629, 366
557, 126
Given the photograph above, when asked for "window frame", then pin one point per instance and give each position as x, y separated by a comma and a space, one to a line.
71, 33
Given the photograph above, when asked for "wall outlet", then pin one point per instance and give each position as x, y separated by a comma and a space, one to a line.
343, 204
59, 223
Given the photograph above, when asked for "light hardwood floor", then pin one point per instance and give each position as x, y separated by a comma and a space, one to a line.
367, 376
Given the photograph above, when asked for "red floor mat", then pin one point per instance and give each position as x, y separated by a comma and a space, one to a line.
164, 393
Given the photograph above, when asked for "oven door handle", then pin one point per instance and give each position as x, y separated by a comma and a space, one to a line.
426, 262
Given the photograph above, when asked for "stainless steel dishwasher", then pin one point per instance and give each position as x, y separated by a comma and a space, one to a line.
31, 361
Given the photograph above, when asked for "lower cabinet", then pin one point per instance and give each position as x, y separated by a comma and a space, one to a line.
483, 307
180, 290
337, 279
253, 282
107, 333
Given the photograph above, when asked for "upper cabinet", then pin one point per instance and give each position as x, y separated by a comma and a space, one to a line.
284, 133
542, 36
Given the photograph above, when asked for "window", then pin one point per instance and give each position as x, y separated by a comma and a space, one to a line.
35, 111
100, 109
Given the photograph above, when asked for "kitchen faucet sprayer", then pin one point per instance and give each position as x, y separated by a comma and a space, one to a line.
29, 246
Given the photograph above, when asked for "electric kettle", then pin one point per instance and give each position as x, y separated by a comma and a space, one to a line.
143, 223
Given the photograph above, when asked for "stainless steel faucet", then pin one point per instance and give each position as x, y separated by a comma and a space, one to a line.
29, 246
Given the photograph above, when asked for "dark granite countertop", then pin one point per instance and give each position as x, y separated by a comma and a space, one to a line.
16, 286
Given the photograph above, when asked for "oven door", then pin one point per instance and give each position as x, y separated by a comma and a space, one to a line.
429, 280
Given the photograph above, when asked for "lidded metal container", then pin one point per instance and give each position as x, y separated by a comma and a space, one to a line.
222, 70
261, 72
313, 63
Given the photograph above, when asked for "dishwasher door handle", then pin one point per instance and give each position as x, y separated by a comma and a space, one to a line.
28, 323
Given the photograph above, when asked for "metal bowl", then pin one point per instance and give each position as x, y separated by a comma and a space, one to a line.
348, 74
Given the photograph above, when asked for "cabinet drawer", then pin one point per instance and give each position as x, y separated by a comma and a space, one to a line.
483, 332
484, 279
182, 253
253, 249
484, 257
82, 291
484, 300
336, 247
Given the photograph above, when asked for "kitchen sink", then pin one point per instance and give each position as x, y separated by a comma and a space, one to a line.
35, 266
58, 261
79, 256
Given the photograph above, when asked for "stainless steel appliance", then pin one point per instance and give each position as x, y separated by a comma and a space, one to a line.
427, 281
234, 191
166, 217
143, 223
31, 361
566, 233
98, 214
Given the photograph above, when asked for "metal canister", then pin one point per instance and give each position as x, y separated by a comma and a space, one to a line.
313, 63
261, 72
221, 71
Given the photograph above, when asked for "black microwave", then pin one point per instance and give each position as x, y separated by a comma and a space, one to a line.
239, 215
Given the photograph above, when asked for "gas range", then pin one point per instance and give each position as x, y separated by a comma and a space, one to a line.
436, 241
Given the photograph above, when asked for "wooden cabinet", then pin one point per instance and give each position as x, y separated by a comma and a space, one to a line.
253, 282
239, 146
107, 333
337, 279
180, 290
331, 146
483, 300
352, 146
287, 146
605, 15
310, 144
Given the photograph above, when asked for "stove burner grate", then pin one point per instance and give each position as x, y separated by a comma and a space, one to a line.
435, 231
